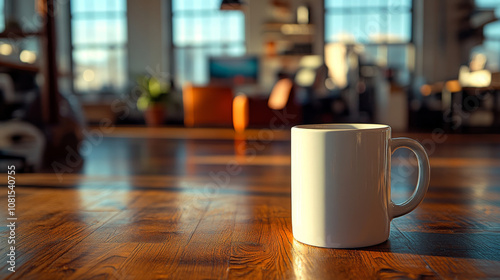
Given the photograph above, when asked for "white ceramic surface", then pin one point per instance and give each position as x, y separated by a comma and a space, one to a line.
341, 184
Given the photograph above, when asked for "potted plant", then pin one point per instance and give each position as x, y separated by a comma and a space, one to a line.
154, 99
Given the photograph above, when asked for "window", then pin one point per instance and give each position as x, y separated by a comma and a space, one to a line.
201, 30
2, 15
379, 21
99, 38
491, 44
383, 27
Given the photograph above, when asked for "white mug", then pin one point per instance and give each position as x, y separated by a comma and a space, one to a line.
341, 180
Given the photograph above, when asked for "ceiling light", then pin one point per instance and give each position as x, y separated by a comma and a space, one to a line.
231, 5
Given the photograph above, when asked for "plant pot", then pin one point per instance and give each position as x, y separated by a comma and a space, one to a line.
155, 115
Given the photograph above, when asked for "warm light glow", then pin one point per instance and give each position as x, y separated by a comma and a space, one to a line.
88, 75
241, 159
305, 77
426, 90
296, 29
27, 56
240, 113
302, 15
5, 49
188, 101
298, 254
386, 38
279, 95
344, 37
335, 59
311, 61
453, 86
481, 78
478, 62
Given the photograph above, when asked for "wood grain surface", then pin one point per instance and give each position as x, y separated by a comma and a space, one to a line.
171, 206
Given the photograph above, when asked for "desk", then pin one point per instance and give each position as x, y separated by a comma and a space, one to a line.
160, 203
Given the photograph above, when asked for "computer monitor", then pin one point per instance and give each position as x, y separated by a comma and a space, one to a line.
236, 71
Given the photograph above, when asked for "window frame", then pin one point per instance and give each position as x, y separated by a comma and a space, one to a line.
103, 46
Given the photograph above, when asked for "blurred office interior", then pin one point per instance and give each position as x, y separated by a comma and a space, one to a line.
69, 67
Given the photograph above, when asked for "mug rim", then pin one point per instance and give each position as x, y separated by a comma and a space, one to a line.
341, 127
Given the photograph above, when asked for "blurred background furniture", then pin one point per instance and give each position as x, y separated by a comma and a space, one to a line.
280, 110
20, 140
39, 122
207, 105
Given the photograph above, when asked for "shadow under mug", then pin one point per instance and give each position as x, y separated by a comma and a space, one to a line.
341, 194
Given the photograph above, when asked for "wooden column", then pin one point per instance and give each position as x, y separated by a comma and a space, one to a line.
50, 90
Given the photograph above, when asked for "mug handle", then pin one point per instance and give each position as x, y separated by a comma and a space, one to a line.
397, 210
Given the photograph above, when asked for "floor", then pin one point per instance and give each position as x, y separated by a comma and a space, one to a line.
209, 204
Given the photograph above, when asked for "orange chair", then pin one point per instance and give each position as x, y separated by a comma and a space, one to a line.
207, 105
280, 110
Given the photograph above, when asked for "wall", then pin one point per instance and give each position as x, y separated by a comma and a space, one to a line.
439, 51
148, 40
24, 12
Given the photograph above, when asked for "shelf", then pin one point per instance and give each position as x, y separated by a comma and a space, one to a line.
19, 66
286, 56
18, 35
290, 29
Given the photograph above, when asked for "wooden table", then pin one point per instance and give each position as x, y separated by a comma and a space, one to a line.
190, 204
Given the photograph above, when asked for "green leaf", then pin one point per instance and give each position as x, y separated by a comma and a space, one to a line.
154, 87
143, 103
